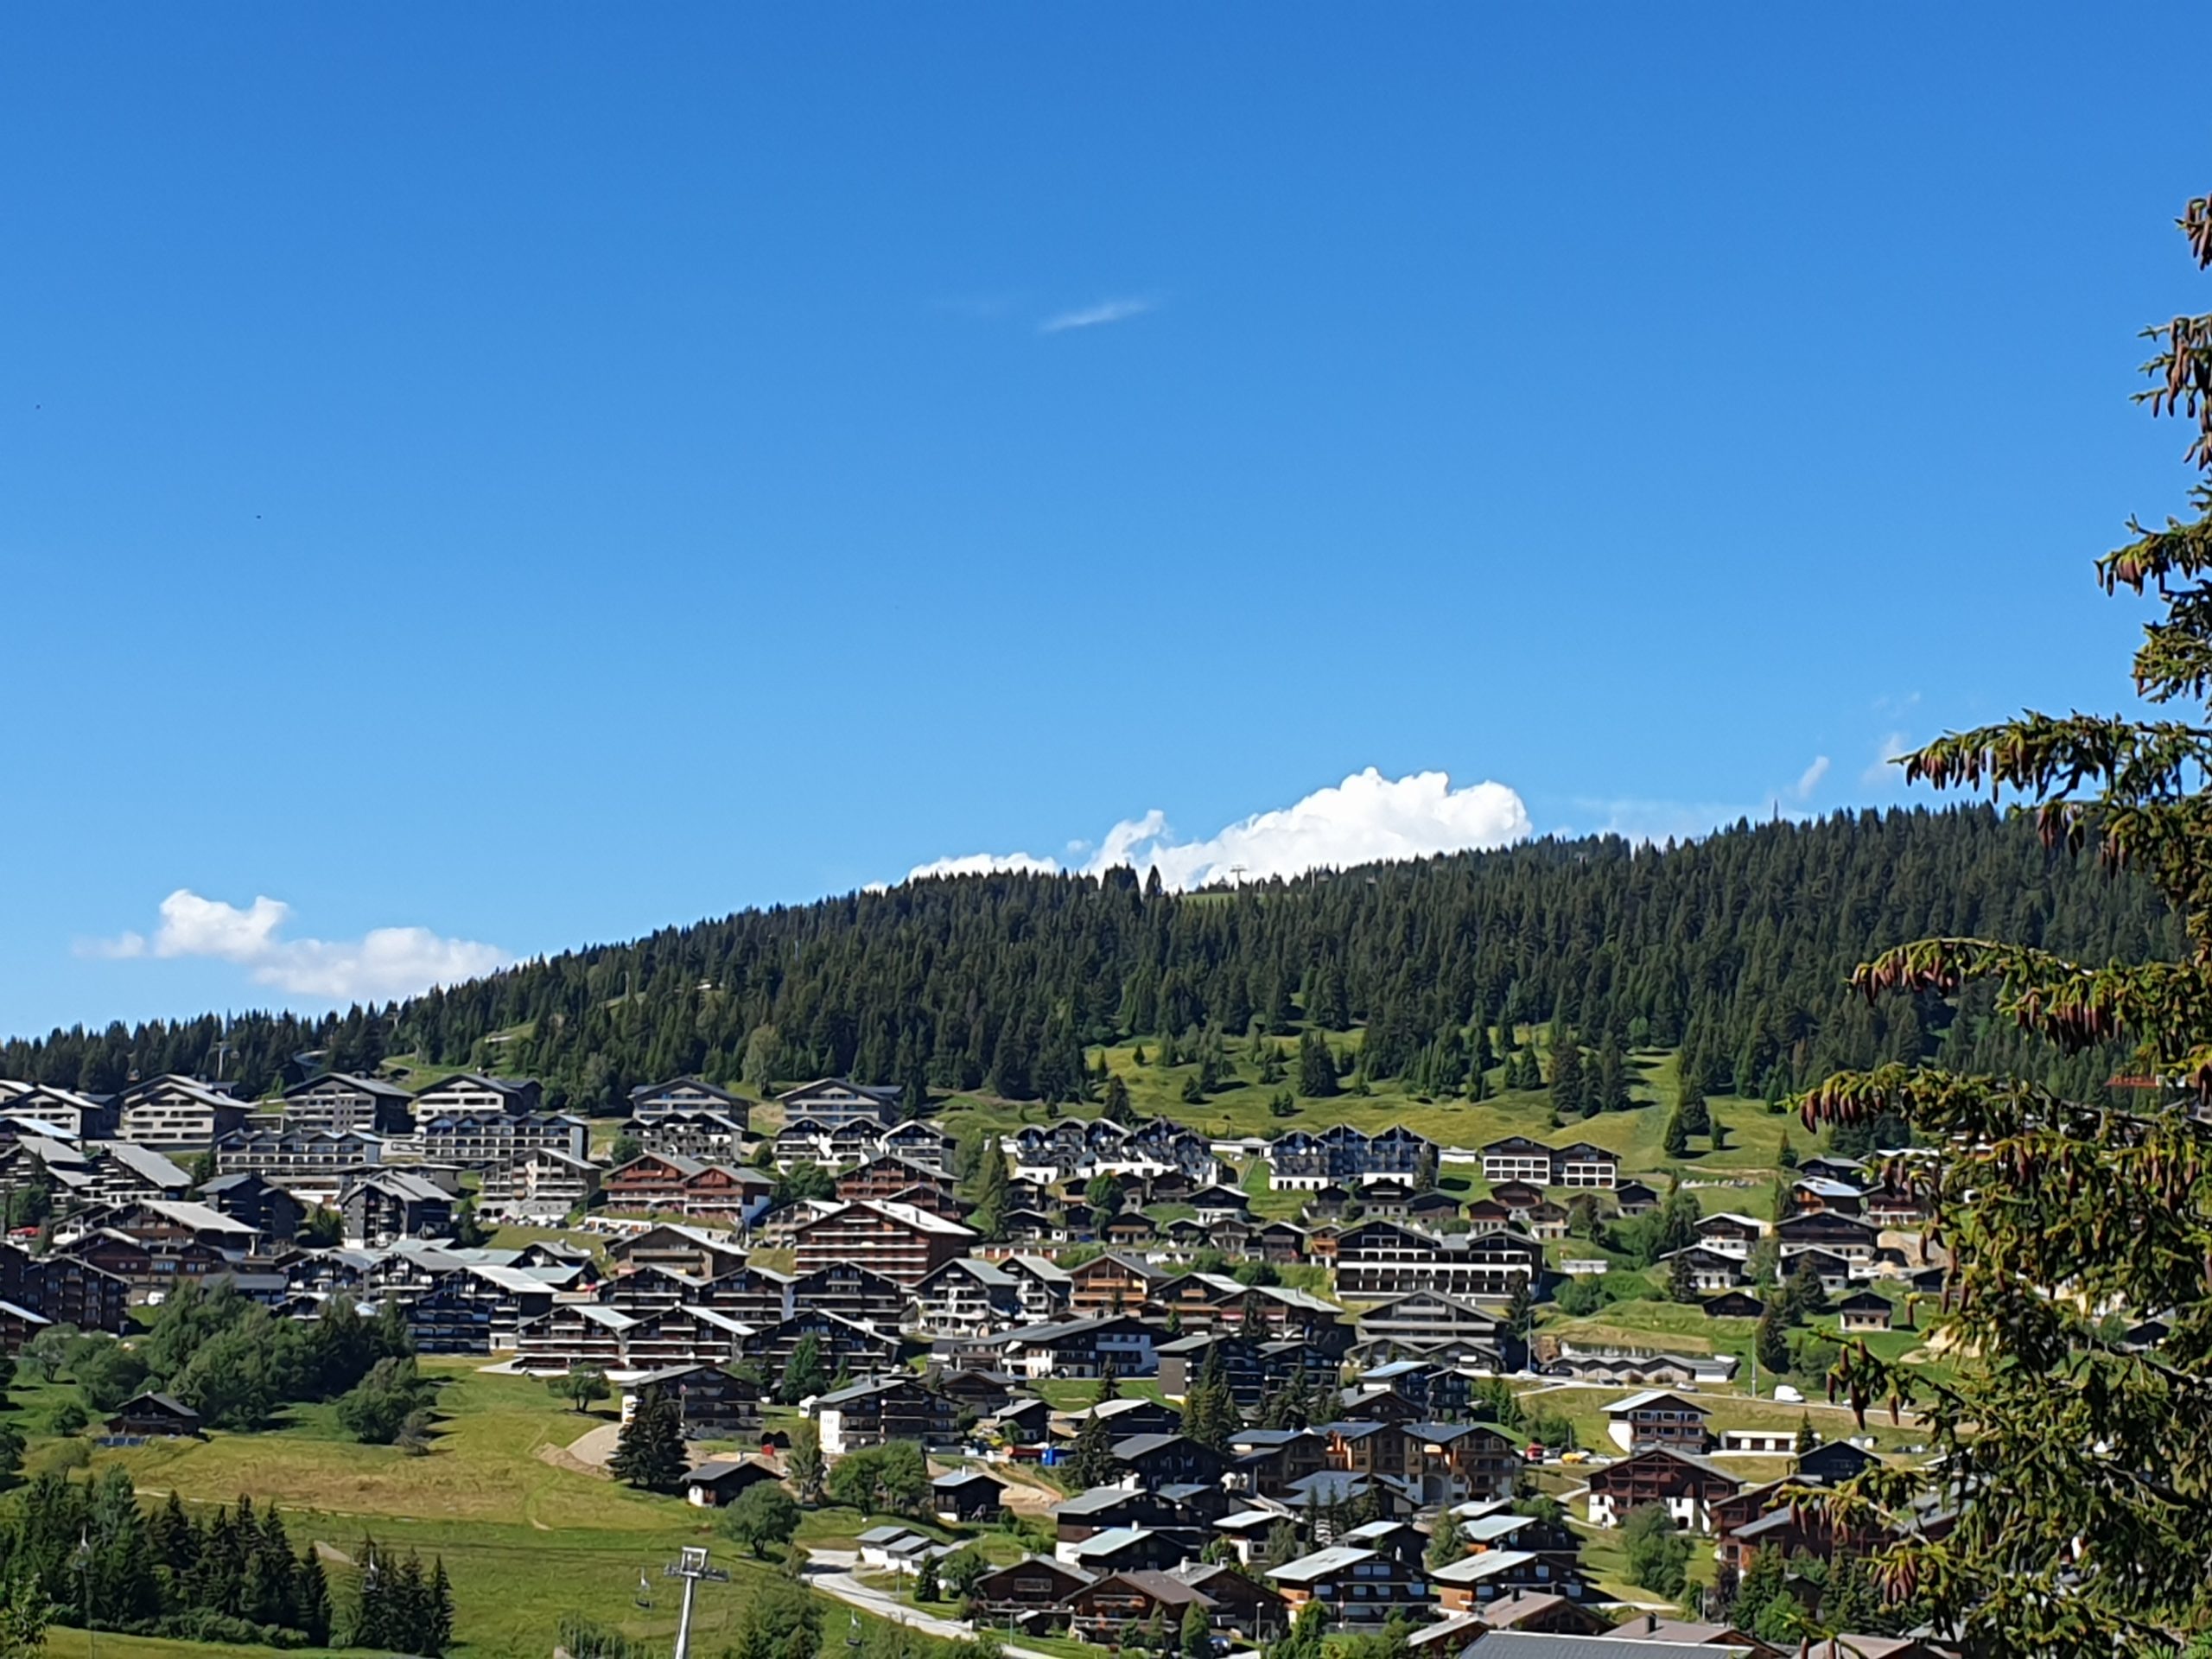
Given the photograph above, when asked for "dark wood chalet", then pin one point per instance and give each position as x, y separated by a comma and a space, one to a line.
1687, 1486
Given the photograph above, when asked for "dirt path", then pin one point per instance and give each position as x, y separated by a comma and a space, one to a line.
1024, 1496
587, 1454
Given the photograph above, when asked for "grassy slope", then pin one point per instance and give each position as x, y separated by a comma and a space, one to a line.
1240, 1109
525, 1540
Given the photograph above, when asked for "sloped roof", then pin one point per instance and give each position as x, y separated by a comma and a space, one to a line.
145, 1163
1321, 1564
1527, 1644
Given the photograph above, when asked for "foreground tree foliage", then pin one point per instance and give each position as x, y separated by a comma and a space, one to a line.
2065, 1511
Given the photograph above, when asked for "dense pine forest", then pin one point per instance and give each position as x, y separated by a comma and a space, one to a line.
1734, 949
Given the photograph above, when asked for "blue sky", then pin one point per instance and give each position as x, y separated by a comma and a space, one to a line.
532, 473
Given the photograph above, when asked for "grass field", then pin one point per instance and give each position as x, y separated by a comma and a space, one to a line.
525, 1539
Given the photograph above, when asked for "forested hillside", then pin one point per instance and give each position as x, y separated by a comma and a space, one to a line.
1734, 949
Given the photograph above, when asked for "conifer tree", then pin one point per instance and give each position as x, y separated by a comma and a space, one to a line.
1612, 1078
1681, 1287
1770, 1343
1091, 1460
1521, 1307
441, 1608
994, 1188
312, 1599
649, 1452
808, 1469
1446, 1544
1317, 1067
1196, 1635
371, 1626
1570, 1098
408, 1606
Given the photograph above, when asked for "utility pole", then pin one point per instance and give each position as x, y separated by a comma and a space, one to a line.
690, 1566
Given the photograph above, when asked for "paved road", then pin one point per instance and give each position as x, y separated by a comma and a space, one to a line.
830, 1571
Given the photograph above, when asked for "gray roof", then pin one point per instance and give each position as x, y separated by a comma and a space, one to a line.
717, 1469
885, 1534
1320, 1564
1337, 1484
1111, 1540
398, 1185
1061, 1331
861, 1391
374, 1086
959, 1478
1525, 1645
1485, 1564
1135, 1446
167, 1402
197, 1217
1096, 1498
1701, 1464
500, 1085
45, 1147
989, 1274
145, 1163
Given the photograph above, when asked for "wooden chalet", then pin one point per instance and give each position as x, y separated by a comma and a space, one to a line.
1687, 1486
966, 1497
719, 1481
154, 1416
1659, 1417
1034, 1588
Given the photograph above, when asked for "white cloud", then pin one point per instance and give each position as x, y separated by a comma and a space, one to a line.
384, 963
1366, 818
1094, 316
1809, 780
1883, 771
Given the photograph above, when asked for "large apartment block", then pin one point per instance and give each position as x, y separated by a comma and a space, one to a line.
468, 1094
1517, 1158
173, 1114
342, 1103
898, 1240
1302, 1161
1377, 1259
651, 1101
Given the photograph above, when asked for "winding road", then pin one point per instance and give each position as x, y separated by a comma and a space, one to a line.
830, 1571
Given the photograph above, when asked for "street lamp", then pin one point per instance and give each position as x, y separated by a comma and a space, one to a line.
81, 1559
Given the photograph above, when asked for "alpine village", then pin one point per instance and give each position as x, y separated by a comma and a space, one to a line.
1593, 1248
